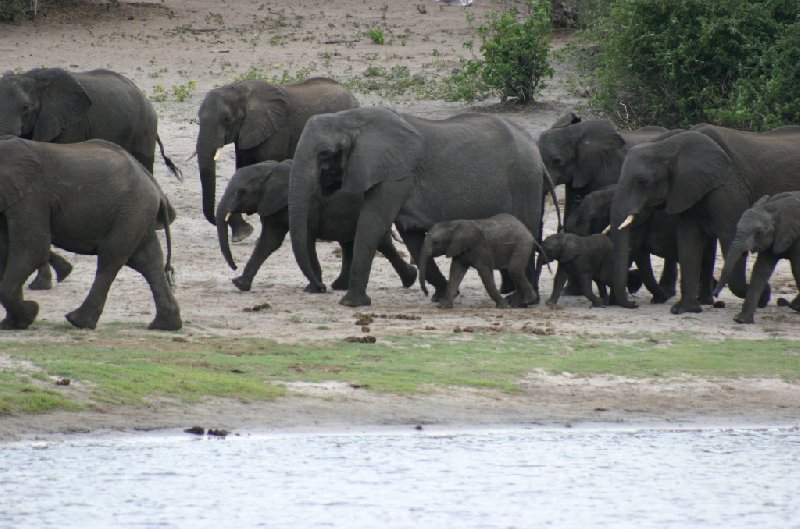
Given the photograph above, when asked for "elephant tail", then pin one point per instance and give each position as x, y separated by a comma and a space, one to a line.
172, 167
551, 188
168, 270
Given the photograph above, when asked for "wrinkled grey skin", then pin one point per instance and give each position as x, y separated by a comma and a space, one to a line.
771, 227
707, 177
264, 122
586, 258
262, 188
414, 172
653, 233
500, 242
90, 198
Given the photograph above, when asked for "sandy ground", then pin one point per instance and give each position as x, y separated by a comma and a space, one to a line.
171, 43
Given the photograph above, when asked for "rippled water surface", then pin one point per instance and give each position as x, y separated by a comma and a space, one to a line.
504, 478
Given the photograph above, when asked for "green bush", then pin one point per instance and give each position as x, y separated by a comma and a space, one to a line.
514, 47
14, 9
676, 63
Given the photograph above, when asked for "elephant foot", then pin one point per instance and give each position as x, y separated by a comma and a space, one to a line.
22, 319
355, 300
440, 294
172, 322
241, 231
446, 304
658, 299
80, 319
502, 304
683, 306
706, 299
794, 304
340, 283
242, 284
313, 289
765, 296
63, 269
41, 282
668, 290
408, 276
743, 318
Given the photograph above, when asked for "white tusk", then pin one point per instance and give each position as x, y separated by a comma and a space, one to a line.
227, 216
191, 156
607, 230
625, 223
218, 154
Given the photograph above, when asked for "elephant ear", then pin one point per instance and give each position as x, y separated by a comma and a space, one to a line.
787, 225
266, 116
275, 193
464, 236
596, 147
384, 146
699, 165
64, 101
20, 172
571, 249
569, 118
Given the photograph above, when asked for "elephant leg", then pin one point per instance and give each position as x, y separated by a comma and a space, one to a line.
433, 275
604, 297
487, 278
586, 285
691, 241
762, 270
149, 261
108, 266
506, 283
458, 270
240, 229
558, 285
707, 273
645, 268
271, 239
524, 295
62, 267
43, 279
669, 277
21, 252
315, 267
407, 273
343, 281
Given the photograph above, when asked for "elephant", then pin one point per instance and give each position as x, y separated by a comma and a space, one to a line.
57, 106
500, 242
770, 227
414, 172
653, 233
91, 198
708, 177
586, 258
263, 188
264, 122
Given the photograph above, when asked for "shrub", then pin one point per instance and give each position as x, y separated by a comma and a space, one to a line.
376, 36
14, 9
679, 63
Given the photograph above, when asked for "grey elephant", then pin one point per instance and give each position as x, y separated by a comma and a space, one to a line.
770, 227
78, 197
587, 258
500, 242
263, 188
414, 172
707, 177
264, 122
54, 105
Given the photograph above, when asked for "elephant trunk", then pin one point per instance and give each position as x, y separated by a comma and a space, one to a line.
735, 252
207, 147
224, 209
303, 188
621, 242
422, 266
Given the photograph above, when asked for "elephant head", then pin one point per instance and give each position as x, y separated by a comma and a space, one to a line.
250, 114
41, 103
261, 188
770, 224
562, 247
450, 238
353, 150
592, 216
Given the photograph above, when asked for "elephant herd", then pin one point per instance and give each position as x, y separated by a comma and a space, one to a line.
78, 151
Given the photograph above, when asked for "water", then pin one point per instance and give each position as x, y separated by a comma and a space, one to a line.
503, 478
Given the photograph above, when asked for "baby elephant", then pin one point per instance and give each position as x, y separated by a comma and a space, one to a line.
263, 188
770, 227
501, 242
586, 258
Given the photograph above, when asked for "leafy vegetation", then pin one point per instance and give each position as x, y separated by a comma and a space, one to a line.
129, 371
376, 35
14, 9
733, 62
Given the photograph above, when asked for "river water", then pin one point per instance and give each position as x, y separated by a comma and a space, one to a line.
582, 477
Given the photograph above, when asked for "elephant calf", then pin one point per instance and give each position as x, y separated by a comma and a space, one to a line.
90, 198
770, 227
262, 188
586, 258
501, 242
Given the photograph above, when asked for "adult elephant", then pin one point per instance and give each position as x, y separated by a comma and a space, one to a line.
264, 122
414, 172
708, 177
57, 106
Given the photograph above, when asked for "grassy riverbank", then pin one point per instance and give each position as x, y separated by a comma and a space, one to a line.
125, 369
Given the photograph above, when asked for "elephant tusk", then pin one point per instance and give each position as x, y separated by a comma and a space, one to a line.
607, 230
227, 216
188, 158
625, 223
218, 154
